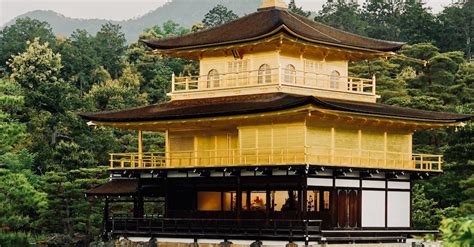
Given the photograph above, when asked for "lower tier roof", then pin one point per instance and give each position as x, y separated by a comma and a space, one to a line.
261, 103
116, 187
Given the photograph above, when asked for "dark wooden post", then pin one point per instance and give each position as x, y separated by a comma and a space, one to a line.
106, 219
238, 197
165, 183
268, 203
305, 196
304, 200
140, 206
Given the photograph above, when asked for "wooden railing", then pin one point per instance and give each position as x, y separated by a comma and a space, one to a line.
428, 162
301, 230
274, 76
278, 156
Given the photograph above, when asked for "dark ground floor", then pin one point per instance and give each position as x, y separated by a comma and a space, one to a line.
290, 203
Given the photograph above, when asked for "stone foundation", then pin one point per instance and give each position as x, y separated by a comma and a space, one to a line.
148, 243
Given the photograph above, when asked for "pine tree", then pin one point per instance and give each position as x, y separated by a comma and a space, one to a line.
218, 15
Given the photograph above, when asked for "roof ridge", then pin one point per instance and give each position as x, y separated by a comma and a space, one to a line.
205, 30
315, 29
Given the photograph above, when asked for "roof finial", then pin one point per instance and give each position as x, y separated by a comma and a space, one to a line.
273, 4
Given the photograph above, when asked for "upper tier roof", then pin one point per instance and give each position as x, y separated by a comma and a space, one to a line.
260, 103
268, 22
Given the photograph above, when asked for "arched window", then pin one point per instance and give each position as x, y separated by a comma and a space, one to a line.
264, 74
290, 74
335, 77
213, 79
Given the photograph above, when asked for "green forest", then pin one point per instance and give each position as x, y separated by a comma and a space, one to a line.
49, 157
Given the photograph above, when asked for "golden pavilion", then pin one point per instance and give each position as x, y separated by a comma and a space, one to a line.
273, 140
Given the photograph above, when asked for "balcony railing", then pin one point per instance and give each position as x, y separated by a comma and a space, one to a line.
282, 156
301, 230
276, 77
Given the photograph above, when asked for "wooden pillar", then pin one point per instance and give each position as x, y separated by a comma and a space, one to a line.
359, 138
333, 144
168, 156
173, 84
238, 197
166, 187
385, 149
268, 203
138, 207
249, 200
140, 149
305, 196
105, 219
374, 82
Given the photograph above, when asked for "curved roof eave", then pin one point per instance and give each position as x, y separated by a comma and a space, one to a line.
267, 22
275, 32
181, 110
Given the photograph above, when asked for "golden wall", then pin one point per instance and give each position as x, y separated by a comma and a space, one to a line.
252, 62
292, 143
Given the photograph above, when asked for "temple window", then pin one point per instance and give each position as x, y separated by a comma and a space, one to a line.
213, 79
264, 74
209, 201
318, 200
229, 201
326, 200
313, 200
284, 200
290, 74
258, 201
335, 77
236, 73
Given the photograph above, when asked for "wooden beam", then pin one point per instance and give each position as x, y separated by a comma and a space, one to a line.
140, 148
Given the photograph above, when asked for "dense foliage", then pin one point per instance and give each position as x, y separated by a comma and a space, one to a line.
49, 157
405, 21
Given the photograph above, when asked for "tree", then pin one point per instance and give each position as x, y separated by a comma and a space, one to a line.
37, 71
110, 47
297, 10
12, 132
416, 23
457, 36
218, 15
155, 71
198, 27
47, 98
72, 212
79, 59
425, 211
168, 29
467, 206
458, 231
21, 204
382, 17
117, 94
343, 15
13, 39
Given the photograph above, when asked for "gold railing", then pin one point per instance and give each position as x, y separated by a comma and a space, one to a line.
278, 156
428, 162
274, 76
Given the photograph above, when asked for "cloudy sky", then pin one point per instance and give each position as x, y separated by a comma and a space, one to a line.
119, 9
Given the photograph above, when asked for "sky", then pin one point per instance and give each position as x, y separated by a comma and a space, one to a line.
121, 9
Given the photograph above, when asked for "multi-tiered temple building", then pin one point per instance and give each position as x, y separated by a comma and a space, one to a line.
273, 140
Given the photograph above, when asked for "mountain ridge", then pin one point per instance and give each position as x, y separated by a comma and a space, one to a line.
183, 12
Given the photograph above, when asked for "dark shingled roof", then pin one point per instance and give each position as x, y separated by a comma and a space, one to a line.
267, 22
116, 187
259, 103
